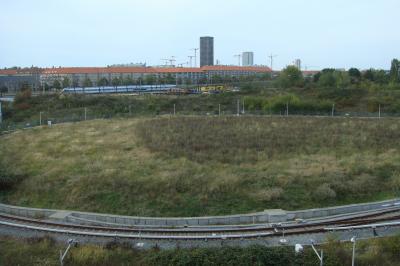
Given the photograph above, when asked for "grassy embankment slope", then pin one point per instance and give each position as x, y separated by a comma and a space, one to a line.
375, 252
188, 166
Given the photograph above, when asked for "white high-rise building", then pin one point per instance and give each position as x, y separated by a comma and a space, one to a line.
248, 59
297, 63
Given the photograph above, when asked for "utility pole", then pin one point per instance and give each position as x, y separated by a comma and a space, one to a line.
271, 57
195, 56
239, 56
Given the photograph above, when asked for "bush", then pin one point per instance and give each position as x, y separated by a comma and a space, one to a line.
270, 194
324, 192
7, 179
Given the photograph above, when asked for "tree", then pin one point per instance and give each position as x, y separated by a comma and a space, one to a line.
169, 79
75, 82
342, 79
369, 75
87, 83
3, 89
128, 81
22, 99
56, 85
326, 79
378, 76
291, 76
149, 79
355, 75
116, 82
102, 82
66, 82
394, 71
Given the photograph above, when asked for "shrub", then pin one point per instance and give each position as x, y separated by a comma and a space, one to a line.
270, 194
324, 192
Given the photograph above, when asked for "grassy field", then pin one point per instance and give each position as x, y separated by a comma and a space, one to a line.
376, 252
189, 166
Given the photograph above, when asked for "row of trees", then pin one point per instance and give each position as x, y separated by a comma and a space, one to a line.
331, 78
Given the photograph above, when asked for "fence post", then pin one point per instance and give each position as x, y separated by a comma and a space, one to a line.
238, 107
85, 113
333, 110
40, 118
379, 111
174, 109
287, 109
130, 110
219, 109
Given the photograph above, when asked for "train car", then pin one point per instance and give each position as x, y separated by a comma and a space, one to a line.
119, 89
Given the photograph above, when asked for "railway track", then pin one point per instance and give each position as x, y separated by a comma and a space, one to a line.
205, 233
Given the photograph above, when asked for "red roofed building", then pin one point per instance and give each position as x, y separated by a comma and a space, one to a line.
78, 74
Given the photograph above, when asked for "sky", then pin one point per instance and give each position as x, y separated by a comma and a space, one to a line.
322, 33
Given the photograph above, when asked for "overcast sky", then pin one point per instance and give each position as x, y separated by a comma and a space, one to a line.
334, 33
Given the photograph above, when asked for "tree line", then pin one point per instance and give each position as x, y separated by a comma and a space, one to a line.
291, 76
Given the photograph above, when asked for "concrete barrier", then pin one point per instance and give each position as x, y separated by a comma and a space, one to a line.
267, 216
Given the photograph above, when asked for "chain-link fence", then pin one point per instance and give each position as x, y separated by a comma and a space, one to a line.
225, 109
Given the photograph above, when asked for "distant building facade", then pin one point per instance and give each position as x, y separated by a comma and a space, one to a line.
248, 59
14, 79
206, 51
77, 76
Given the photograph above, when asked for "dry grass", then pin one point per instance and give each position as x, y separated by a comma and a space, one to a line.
163, 167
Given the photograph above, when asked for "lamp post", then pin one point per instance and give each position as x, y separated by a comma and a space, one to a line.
353, 240
298, 248
71, 242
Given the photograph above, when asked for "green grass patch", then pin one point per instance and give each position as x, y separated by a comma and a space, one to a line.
190, 166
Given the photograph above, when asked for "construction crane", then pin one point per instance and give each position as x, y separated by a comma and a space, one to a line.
166, 61
183, 64
239, 56
271, 58
172, 60
191, 59
195, 55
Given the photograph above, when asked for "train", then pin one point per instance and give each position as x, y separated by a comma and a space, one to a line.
119, 89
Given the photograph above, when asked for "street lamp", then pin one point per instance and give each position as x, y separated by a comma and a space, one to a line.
299, 248
71, 242
353, 240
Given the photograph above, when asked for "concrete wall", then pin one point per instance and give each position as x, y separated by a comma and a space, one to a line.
267, 216
26, 212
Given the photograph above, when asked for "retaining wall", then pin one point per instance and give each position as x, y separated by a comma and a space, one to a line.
267, 216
